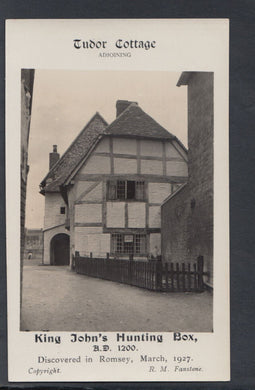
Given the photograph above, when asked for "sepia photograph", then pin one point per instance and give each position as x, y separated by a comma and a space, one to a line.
117, 197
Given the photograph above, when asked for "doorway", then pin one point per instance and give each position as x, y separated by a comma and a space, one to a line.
60, 249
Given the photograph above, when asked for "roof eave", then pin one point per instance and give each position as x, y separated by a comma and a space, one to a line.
84, 128
81, 162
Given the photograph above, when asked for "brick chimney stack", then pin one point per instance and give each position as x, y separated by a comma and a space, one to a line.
54, 156
121, 105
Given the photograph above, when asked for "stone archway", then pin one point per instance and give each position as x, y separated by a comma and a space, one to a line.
60, 249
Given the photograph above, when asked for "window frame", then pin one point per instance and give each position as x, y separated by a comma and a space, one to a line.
113, 186
119, 247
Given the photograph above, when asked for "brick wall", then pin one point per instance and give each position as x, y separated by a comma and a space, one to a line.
187, 217
200, 138
174, 230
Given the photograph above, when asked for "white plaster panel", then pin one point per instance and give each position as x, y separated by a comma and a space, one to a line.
95, 195
158, 192
125, 165
124, 146
152, 167
103, 146
52, 216
81, 238
105, 243
88, 230
115, 214
99, 244
88, 213
93, 244
171, 151
151, 148
97, 164
81, 241
154, 217
89, 240
82, 186
136, 215
176, 168
155, 244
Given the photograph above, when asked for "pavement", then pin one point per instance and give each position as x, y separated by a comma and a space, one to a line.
57, 299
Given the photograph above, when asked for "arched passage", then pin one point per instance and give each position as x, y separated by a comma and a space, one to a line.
60, 249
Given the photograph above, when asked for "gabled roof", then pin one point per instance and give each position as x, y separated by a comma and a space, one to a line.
133, 121
76, 151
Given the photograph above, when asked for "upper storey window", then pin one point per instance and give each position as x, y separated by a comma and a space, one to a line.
126, 190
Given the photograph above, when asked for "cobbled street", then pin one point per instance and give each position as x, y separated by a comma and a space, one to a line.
57, 299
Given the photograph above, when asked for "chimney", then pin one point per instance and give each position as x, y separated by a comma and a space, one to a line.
54, 156
121, 105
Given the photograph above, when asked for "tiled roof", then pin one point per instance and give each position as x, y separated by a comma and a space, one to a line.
73, 155
133, 121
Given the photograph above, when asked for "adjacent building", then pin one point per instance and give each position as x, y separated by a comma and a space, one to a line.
27, 84
104, 194
187, 215
33, 244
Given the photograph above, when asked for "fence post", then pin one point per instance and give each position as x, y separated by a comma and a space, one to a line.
73, 262
130, 268
91, 255
200, 268
107, 255
159, 273
76, 261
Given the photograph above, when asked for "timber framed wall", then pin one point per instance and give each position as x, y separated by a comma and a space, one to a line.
94, 218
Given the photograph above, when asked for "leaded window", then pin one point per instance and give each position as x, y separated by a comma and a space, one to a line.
128, 243
126, 190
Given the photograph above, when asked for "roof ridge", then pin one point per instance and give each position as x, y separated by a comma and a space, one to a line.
133, 104
73, 142
173, 136
119, 116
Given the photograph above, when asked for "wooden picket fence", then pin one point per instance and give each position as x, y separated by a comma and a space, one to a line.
152, 275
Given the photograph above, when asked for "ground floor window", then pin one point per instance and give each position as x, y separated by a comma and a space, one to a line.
128, 243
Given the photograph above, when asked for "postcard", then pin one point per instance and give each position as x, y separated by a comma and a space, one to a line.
117, 200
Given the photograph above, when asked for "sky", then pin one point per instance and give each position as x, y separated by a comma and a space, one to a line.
65, 100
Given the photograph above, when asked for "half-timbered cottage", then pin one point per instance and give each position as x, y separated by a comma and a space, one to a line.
104, 194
